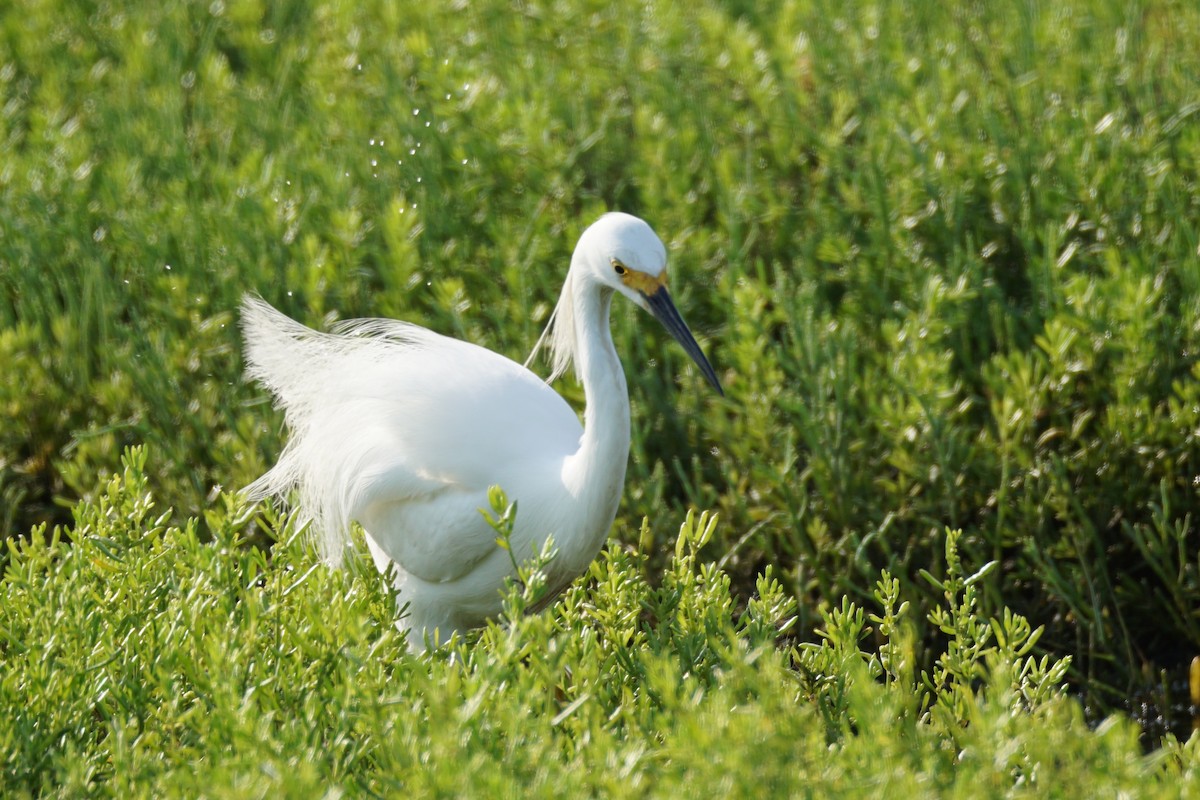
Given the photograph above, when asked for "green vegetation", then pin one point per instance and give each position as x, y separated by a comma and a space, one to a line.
144, 662
944, 256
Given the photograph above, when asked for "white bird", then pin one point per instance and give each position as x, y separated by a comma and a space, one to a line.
403, 431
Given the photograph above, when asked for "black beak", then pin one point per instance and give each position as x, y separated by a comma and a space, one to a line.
664, 311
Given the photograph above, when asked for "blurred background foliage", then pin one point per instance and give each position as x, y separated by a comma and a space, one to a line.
944, 257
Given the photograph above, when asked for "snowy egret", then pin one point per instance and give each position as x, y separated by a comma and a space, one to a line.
404, 430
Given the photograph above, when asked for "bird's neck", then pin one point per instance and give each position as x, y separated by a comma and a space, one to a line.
597, 470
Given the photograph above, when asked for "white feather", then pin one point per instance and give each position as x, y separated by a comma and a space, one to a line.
404, 430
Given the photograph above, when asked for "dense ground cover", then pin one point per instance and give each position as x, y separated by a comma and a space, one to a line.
143, 662
944, 257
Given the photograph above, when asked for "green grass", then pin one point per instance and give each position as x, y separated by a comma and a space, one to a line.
944, 257
142, 661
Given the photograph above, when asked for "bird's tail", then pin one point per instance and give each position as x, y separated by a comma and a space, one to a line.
288, 359
281, 354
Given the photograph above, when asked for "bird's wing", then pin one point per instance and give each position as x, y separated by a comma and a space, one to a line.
479, 420
438, 537
403, 430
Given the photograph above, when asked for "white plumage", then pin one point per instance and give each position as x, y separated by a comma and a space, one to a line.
404, 430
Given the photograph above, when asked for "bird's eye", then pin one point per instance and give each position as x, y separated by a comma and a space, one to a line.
619, 268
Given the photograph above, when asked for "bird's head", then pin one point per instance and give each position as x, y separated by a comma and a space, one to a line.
623, 253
